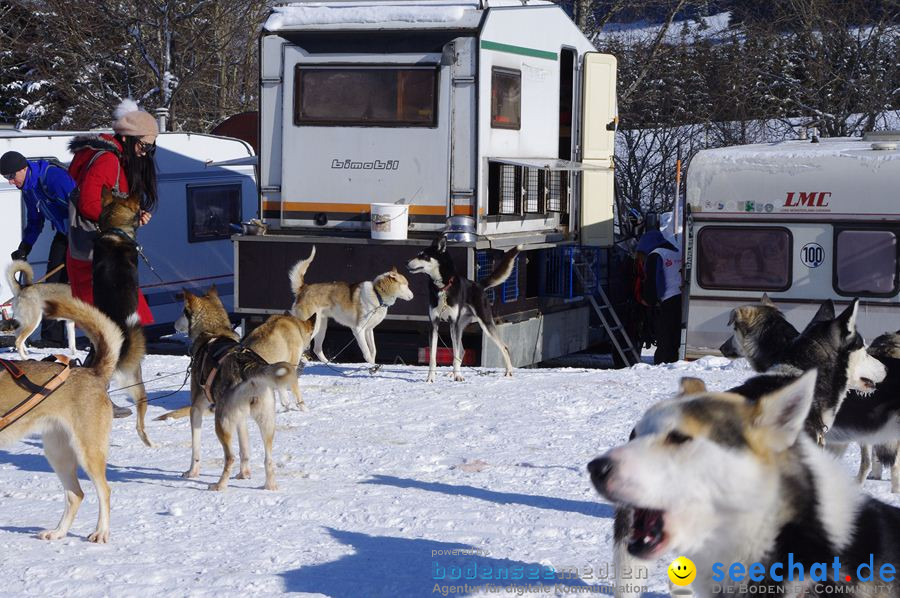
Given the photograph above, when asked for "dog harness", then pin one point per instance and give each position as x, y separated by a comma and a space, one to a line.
214, 351
38, 392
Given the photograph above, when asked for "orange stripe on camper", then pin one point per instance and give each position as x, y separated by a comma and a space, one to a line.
359, 208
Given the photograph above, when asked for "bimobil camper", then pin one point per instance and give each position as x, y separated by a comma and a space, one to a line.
496, 110
803, 221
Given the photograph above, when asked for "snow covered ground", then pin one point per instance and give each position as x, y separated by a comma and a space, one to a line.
380, 475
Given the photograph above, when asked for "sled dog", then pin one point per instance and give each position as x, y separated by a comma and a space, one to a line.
76, 418
454, 298
27, 304
360, 306
731, 477
231, 379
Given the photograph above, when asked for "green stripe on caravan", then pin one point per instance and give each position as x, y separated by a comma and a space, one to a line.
488, 45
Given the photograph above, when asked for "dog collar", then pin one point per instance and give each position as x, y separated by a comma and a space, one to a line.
448, 285
122, 234
381, 302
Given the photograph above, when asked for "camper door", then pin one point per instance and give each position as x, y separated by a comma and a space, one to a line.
360, 129
598, 138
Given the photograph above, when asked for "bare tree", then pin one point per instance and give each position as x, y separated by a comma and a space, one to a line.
196, 59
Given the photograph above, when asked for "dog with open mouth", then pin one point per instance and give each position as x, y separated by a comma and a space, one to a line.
732, 477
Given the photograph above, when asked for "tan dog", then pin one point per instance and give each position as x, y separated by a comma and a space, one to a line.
360, 307
27, 301
283, 338
76, 418
239, 382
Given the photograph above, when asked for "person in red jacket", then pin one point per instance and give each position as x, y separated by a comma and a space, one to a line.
122, 162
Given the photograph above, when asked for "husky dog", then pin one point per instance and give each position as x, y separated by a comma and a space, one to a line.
283, 338
829, 343
728, 477
360, 307
764, 337
27, 300
761, 334
454, 298
116, 287
76, 418
875, 419
237, 382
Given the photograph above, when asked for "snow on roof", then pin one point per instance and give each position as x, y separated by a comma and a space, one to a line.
799, 150
321, 15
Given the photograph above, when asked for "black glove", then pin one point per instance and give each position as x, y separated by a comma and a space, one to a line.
22, 252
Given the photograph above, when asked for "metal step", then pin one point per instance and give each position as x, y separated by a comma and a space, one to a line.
608, 317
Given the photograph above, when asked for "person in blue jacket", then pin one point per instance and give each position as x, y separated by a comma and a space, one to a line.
45, 191
660, 289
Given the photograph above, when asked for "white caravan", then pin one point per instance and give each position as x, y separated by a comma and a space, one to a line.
802, 221
187, 242
498, 110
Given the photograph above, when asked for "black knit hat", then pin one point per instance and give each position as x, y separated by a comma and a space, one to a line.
11, 163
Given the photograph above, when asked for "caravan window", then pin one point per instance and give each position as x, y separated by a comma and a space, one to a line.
865, 263
212, 210
744, 258
365, 96
506, 99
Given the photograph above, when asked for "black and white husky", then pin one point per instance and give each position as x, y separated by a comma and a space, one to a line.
764, 337
732, 478
828, 343
453, 297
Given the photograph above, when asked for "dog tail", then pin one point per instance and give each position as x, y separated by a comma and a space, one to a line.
177, 414
102, 331
277, 375
503, 269
13, 270
299, 271
133, 349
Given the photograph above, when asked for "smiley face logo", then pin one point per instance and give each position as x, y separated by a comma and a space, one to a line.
682, 571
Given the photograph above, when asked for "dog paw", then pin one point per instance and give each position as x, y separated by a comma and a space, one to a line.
243, 475
216, 487
51, 534
302, 407
458, 378
270, 486
507, 375
871, 476
99, 537
190, 474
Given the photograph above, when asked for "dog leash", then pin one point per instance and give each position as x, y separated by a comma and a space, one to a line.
372, 369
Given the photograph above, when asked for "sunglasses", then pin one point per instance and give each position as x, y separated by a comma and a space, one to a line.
147, 148
8, 177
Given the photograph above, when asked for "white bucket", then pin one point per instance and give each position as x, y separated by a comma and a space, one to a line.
390, 221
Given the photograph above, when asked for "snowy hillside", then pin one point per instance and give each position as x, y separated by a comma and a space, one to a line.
382, 473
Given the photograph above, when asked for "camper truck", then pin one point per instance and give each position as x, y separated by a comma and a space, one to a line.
381, 120
188, 243
803, 221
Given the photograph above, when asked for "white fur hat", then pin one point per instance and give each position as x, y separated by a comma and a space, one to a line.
131, 120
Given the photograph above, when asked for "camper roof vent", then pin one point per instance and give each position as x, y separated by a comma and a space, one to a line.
893, 135
884, 145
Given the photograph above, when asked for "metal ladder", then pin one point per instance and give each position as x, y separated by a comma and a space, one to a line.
608, 317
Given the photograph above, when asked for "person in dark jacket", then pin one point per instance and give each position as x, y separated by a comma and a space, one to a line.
45, 192
660, 289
